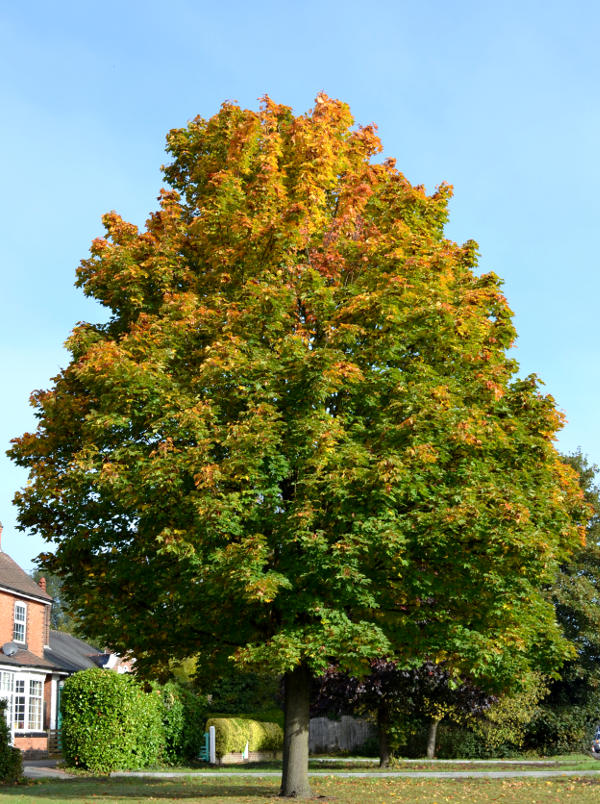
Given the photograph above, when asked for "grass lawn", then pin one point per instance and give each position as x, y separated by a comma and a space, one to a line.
328, 788
323, 765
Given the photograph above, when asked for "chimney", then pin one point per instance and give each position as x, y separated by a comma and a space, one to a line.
42, 584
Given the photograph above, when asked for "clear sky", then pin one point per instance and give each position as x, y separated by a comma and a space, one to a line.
500, 99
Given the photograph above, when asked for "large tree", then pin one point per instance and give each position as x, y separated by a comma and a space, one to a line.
300, 437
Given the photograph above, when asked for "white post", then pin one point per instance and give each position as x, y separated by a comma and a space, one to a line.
212, 754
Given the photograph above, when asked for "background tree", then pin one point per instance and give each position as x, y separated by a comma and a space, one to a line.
502, 729
570, 710
299, 438
576, 594
60, 617
428, 692
557, 714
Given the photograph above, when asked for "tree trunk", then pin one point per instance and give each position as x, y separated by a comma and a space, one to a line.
383, 723
294, 779
431, 738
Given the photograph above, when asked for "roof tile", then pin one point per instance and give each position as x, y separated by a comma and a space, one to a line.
14, 578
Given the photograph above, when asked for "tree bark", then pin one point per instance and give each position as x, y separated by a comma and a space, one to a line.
431, 738
383, 723
294, 778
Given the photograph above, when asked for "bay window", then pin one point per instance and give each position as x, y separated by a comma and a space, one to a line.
24, 693
36, 692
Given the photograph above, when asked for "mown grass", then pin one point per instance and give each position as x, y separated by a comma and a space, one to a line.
234, 790
325, 765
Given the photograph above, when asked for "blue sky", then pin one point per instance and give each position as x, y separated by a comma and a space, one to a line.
499, 99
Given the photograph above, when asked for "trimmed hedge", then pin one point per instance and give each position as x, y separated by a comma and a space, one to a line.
109, 722
11, 759
232, 734
266, 716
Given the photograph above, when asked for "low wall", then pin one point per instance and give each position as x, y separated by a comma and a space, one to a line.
236, 757
333, 736
32, 746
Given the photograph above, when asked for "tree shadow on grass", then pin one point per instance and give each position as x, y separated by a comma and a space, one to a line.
103, 788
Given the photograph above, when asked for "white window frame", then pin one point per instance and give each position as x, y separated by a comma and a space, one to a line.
20, 621
46, 626
35, 704
25, 695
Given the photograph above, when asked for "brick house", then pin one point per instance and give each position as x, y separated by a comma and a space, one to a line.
28, 680
34, 660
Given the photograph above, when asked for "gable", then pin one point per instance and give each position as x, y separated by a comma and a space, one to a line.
14, 579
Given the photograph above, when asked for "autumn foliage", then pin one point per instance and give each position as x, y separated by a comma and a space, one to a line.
300, 438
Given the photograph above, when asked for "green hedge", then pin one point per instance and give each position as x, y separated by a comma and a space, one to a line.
109, 722
183, 715
232, 734
11, 759
266, 716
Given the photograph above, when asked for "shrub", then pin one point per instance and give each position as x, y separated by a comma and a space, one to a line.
562, 729
109, 722
232, 734
183, 715
459, 741
501, 731
11, 760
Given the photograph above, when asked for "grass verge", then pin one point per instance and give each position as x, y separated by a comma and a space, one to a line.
565, 762
327, 788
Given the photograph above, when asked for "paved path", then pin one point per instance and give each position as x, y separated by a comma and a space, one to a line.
43, 769
372, 761
507, 774
47, 769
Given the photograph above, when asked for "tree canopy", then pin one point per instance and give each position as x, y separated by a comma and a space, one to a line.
576, 594
300, 438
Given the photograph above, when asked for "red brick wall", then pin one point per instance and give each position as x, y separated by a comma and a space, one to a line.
6, 617
35, 627
32, 746
35, 622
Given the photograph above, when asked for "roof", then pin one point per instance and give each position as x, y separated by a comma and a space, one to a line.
25, 658
68, 653
14, 578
